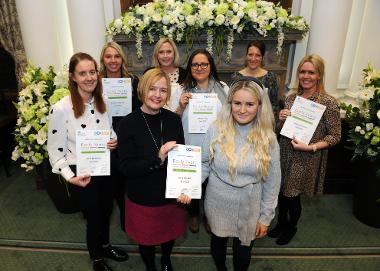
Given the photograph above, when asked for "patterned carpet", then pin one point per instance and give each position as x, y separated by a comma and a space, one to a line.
34, 236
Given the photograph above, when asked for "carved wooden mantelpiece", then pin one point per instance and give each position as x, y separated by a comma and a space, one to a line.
273, 62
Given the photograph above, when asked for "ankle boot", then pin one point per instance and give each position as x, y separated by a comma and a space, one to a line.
286, 236
166, 264
276, 231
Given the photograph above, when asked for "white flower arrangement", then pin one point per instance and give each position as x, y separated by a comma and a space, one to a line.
184, 20
364, 120
42, 89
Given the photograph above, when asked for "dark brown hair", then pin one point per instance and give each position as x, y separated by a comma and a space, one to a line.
76, 99
189, 81
259, 45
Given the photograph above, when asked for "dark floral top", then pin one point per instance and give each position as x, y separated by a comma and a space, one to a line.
269, 81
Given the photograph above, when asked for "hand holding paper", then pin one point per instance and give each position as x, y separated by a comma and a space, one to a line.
304, 119
184, 173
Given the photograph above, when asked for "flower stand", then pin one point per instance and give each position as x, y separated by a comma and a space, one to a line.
57, 189
366, 195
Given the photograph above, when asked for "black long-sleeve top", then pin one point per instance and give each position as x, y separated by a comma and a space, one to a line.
136, 103
138, 155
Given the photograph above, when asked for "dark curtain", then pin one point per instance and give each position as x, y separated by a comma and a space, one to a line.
10, 36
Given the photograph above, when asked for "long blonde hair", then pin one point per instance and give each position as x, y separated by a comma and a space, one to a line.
260, 137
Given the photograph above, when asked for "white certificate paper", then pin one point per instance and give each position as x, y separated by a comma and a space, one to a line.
202, 111
93, 157
184, 172
304, 120
119, 95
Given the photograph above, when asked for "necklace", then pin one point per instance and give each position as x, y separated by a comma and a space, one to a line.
150, 131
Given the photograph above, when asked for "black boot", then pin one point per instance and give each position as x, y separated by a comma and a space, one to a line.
100, 265
282, 218
286, 236
115, 253
294, 204
166, 264
148, 255
276, 231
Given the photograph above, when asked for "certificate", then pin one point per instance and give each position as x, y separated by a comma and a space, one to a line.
119, 95
184, 172
202, 111
304, 119
93, 157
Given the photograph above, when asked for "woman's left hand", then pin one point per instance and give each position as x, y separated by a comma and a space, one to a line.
168, 146
184, 199
299, 145
261, 230
112, 144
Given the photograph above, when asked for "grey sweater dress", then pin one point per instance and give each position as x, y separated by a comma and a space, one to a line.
233, 207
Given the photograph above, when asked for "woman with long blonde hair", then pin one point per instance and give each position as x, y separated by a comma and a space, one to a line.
240, 157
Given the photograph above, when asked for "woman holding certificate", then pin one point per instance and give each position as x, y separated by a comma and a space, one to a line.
304, 165
84, 109
201, 79
253, 69
241, 158
151, 219
113, 65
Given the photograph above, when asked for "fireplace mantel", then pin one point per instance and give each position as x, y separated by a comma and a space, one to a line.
273, 62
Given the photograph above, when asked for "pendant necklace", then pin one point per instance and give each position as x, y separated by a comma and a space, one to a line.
150, 131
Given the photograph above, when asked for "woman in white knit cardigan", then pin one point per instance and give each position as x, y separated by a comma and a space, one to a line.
240, 156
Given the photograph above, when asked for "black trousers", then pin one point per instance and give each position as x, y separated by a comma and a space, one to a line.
119, 191
241, 254
96, 202
289, 211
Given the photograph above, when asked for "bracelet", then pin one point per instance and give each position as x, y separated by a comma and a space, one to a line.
314, 146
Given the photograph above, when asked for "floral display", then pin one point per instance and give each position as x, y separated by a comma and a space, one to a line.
42, 89
364, 120
184, 20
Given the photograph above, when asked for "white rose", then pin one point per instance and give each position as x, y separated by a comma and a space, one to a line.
118, 24
369, 126
219, 20
190, 20
378, 114
357, 129
140, 10
252, 14
235, 7
156, 17
362, 132
235, 20
240, 13
166, 19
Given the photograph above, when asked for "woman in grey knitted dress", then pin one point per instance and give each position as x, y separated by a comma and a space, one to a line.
240, 156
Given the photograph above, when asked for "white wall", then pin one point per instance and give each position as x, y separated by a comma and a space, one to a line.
45, 31
369, 42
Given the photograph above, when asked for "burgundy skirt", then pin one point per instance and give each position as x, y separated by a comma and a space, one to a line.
154, 225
